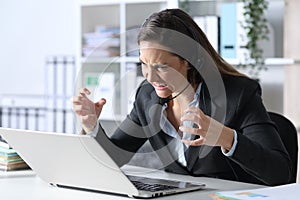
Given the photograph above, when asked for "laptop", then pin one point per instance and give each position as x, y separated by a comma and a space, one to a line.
79, 162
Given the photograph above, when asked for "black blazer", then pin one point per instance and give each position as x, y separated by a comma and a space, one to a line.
259, 157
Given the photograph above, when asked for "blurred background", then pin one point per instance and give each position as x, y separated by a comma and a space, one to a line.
51, 48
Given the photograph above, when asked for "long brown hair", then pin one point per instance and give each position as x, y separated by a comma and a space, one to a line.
179, 21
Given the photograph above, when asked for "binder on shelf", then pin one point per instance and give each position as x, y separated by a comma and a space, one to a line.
229, 28
233, 36
21, 111
241, 40
131, 82
60, 73
210, 25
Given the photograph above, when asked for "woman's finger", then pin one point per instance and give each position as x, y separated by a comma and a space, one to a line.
197, 142
77, 100
85, 91
193, 131
191, 117
85, 109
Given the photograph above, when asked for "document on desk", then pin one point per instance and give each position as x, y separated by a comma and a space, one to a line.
17, 173
289, 191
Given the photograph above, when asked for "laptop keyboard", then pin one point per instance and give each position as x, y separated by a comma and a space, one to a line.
152, 187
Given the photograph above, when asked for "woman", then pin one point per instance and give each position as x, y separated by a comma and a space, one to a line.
201, 116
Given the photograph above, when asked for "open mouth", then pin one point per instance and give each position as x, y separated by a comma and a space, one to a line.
160, 86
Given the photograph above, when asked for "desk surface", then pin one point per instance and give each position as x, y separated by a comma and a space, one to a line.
33, 188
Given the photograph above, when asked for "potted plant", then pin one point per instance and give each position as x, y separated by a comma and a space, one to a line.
256, 29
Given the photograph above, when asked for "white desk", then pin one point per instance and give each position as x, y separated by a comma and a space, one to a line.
32, 187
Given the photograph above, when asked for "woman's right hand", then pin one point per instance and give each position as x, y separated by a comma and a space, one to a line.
87, 111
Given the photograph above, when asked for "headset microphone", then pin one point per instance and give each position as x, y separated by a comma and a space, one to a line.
162, 101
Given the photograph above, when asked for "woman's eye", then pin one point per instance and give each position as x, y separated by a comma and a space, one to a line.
162, 68
156, 67
143, 65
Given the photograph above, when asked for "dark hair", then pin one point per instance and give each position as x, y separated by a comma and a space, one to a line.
161, 27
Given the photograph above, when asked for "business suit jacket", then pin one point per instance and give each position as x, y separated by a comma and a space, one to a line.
259, 157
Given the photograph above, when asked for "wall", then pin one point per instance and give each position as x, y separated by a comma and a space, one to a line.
30, 31
272, 82
292, 50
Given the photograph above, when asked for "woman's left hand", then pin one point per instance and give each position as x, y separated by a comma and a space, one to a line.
211, 132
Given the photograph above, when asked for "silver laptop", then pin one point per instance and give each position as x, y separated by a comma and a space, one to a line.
79, 162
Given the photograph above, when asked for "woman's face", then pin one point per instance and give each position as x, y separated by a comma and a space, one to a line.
165, 71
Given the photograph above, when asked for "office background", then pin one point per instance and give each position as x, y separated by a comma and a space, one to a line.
32, 31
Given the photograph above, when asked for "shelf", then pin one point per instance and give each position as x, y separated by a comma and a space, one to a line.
144, 1
279, 61
110, 60
97, 2
268, 61
100, 60
127, 14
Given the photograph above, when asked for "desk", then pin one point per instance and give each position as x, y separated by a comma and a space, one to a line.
33, 188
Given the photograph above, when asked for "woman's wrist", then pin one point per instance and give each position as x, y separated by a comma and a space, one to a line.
227, 138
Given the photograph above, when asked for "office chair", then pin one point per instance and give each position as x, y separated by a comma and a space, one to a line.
288, 135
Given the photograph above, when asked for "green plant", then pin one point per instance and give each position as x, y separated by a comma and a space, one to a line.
184, 5
256, 28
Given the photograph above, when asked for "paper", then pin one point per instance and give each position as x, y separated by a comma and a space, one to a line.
289, 191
